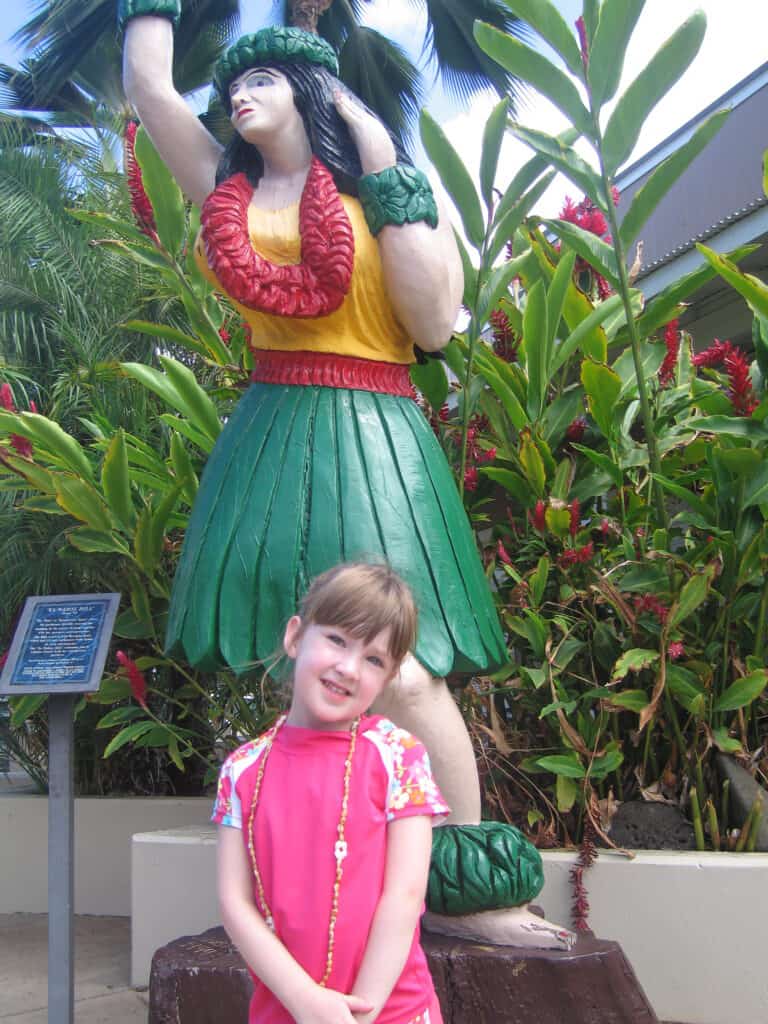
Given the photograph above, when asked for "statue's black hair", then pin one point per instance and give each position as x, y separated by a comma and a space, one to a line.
329, 138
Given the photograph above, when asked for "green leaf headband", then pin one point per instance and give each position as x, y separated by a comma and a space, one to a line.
268, 46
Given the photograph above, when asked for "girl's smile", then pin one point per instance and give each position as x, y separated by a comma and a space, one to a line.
337, 676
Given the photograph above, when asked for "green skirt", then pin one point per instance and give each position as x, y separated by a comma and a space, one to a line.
303, 478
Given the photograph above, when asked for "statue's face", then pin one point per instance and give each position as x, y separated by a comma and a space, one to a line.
262, 103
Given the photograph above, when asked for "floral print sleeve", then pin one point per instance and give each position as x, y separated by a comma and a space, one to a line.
412, 789
227, 809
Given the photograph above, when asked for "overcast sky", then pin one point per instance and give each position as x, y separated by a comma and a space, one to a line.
734, 46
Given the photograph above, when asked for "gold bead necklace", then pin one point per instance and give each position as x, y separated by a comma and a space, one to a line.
340, 848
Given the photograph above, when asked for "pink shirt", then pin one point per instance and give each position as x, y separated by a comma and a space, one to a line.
294, 836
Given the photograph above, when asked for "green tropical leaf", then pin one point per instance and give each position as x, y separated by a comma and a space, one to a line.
497, 286
562, 764
535, 336
693, 594
544, 18
609, 762
749, 287
48, 435
202, 411
615, 25
533, 465
119, 716
431, 380
603, 388
527, 175
634, 660
583, 335
604, 462
507, 226
630, 700
513, 483
594, 250
756, 488
471, 273
129, 734
735, 426
83, 502
742, 692
174, 335
566, 792
725, 742
687, 689
163, 192
96, 542
531, 66
116, 482
455, 177
493, 136
566, 160
648, 197
692, 500
556, 296
651, 85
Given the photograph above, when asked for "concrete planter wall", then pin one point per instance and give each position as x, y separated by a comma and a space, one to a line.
103, 831
690, 924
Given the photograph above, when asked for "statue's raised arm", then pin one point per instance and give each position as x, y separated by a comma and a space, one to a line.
189, 150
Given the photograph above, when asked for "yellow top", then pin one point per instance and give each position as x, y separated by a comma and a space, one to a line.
364, 326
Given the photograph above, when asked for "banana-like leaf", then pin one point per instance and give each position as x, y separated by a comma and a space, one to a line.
556, 296
515, 215
493, 136
544, 18
84, 503
603, 388
533, 465
471, 273
566, 160
95, 542
455, 177
591, 15
526, 176
497, 285
658, 183
582, 334
116, 481
203, 411
748, 286
432, 382
615, 25
183, 468
531, 66
650, 86
127, 231
170, 334
594, 250
49, 436
164, 194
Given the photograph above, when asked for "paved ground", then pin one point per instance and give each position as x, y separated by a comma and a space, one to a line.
102, 968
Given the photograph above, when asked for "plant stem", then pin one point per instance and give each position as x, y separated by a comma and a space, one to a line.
757, 809
657, 495
762, 619
724, 812
714, 828
698, 828
700, 780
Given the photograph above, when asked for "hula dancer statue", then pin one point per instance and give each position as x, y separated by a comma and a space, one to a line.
331, 246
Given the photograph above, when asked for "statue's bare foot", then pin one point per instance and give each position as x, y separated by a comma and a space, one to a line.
514, 926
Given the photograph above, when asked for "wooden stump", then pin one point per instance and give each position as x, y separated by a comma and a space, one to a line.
201, 979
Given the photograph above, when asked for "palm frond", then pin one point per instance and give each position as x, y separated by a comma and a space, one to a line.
383, 76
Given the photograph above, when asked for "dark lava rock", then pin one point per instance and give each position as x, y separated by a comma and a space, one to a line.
201, 979
642, 825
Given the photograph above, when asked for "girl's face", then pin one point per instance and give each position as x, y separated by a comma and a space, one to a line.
336, 676
262, 103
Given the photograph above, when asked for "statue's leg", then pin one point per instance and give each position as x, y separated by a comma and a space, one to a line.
422, 704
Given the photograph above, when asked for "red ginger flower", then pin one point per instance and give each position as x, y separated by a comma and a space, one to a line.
676, 650
135, 678
582, 30
672, 342
503, 554
724, 353
539, 516
590, 218
651, 604
576, 556
20, 444
574, 432
141, 207
471, 479
575, 510
505, 341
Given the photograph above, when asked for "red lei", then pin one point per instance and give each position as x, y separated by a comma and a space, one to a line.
316, 286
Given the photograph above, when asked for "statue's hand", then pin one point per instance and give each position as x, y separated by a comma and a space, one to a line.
374, 145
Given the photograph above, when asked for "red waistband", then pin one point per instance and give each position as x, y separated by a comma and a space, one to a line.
327, 370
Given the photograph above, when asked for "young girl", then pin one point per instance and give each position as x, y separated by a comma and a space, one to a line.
325, 822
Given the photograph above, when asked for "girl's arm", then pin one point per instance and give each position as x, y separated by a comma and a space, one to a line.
190, 151
422, 266
409, 845
305, 1000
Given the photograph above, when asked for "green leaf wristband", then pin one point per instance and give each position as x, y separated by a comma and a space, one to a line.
128, 9
396, 195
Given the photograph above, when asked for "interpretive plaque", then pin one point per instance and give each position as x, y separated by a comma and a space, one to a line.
60, 645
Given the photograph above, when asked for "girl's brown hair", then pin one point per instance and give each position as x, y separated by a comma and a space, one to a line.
364, 600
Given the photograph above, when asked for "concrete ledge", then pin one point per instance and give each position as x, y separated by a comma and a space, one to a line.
690, 924
103, 830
